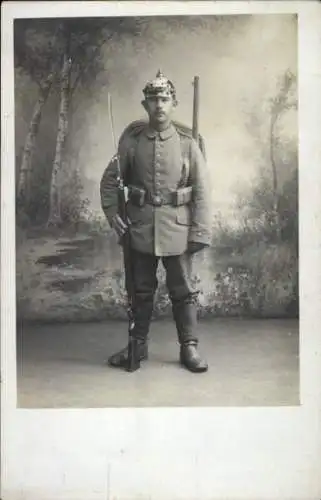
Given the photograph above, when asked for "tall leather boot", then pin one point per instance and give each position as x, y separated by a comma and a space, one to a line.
185, 316
191, 359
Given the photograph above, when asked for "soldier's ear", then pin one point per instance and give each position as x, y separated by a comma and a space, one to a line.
144, 104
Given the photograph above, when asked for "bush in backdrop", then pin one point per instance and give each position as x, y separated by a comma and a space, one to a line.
260, 275
73, 203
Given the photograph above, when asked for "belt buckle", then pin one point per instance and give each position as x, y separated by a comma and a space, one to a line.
157, 200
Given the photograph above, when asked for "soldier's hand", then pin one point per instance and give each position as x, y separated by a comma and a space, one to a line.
119, 225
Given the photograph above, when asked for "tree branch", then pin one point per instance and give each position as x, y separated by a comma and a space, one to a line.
280, 104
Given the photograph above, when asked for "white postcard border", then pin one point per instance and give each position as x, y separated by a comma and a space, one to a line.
170, 453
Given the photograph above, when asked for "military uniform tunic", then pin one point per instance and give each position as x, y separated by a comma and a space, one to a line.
159, 162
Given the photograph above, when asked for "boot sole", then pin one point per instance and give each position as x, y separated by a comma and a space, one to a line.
124, 364
196, 369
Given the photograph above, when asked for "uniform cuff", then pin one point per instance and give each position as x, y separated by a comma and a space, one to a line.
200, 236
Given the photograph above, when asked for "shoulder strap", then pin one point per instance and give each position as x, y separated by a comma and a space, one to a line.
131, 132
185, 131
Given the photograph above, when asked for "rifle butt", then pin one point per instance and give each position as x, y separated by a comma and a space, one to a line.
133, 355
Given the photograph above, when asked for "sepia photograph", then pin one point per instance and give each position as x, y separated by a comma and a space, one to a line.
156, 178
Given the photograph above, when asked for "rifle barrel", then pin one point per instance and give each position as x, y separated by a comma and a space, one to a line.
195, 129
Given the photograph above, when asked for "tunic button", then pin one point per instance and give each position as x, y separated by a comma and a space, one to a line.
157, 200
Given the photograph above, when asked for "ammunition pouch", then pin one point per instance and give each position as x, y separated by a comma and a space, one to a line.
139, 196
182, 196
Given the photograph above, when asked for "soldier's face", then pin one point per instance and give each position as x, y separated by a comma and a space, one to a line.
160, 108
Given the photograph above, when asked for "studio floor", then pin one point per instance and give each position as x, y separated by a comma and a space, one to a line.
251, 363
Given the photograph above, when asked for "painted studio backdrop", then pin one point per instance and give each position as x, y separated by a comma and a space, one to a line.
69, 265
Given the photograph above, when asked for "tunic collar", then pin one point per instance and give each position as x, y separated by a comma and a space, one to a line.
164, 134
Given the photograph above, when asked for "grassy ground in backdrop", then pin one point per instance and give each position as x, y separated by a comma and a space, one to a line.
78, 275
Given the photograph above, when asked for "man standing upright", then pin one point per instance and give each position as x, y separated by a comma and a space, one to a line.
169, 217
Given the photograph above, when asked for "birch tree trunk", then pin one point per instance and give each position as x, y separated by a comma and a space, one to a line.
23, 185
55, 185
23, 188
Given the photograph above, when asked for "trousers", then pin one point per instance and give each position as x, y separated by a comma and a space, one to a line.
182, 293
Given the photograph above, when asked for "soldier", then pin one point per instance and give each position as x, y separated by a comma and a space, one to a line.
169, 218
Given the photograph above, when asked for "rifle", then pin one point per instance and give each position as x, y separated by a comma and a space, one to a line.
195, 127
195, 131
125, 242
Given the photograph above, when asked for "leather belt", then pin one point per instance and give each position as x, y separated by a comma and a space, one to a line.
139, 197
159, 199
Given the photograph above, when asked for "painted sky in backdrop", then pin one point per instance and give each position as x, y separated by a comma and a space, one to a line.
239, 60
